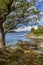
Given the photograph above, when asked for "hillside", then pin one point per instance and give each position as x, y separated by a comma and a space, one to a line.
37, 32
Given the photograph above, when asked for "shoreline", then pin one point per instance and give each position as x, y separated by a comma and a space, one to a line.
35, 37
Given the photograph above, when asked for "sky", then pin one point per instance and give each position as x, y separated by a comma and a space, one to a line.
28, 28
39, 6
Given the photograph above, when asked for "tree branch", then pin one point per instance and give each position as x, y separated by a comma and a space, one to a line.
9, 5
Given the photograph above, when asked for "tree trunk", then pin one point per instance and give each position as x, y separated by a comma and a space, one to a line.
2, 43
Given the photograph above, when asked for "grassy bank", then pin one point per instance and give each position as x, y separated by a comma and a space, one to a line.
20, 56
32, 34
36, 32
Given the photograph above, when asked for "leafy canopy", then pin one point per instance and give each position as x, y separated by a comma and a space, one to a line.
3, 6
21, 12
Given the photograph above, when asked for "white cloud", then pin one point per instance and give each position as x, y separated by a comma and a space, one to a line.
28, 28
41, 13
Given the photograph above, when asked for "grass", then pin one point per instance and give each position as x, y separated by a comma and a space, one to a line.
36, 32
20, 56
32, 34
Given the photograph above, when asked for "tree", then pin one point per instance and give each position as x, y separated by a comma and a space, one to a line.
32, 29
14, 12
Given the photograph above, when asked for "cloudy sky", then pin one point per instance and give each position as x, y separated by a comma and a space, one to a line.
40, 7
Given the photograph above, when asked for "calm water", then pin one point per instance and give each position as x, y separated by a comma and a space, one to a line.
13, 38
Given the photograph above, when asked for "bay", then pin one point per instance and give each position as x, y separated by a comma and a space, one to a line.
13, 38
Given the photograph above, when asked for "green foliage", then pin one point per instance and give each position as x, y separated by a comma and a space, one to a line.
35, 12
3, 6
21, 9
21, 14
38, 31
